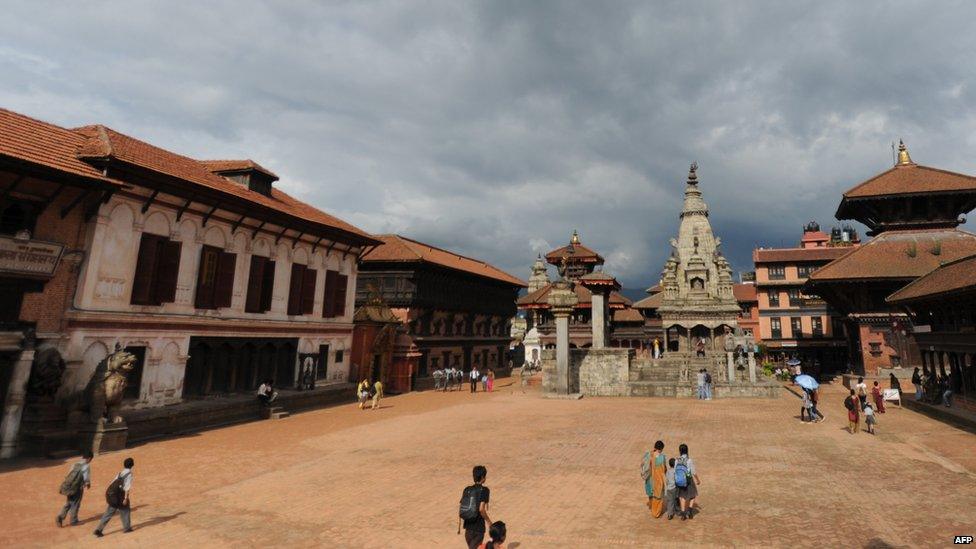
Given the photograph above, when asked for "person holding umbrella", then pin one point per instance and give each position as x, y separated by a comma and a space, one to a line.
808, 384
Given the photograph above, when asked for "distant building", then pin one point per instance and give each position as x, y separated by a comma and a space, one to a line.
455, 310
913, 212
792, 323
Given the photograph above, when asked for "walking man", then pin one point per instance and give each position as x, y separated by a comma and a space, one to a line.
474, 509
117, 496
708, 384
474, 379
73, 488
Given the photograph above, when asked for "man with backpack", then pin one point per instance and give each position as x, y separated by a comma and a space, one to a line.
473, 511
708, 384
117, 496
73, 487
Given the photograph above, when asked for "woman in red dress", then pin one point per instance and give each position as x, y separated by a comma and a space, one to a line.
878, 398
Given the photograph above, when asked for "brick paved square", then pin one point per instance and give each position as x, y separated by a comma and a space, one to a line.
562, 473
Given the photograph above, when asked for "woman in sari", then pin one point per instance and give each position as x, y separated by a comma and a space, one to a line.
878, 398
656, 466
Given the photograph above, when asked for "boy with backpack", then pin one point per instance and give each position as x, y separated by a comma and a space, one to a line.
473, 511
73, 487
117, 496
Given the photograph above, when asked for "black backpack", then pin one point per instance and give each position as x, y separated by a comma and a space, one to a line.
708, 377
114, 494
470, 507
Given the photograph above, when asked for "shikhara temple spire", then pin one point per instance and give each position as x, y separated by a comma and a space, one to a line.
694, 204
903, 157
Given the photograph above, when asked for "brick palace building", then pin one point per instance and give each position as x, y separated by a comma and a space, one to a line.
913, 213
792, 323
455, 311
206, 271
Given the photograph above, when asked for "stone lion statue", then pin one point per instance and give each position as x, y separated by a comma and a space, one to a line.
103, 394
46, 372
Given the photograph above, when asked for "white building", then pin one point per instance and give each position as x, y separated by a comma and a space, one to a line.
213, 277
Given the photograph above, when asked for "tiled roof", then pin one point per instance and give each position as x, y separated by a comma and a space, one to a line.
948, 278
652, 301
217, 166
401, 248
627, 315
912, 178
797, 255
540, 297
39, 143
899, 254
578, 251
744, 293
106, 143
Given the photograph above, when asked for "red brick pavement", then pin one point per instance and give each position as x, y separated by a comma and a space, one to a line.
562, 473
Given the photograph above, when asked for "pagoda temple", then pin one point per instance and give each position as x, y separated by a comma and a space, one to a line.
913, 212
579, 264
698, 307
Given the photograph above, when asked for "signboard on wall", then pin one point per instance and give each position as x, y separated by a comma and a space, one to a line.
29, 258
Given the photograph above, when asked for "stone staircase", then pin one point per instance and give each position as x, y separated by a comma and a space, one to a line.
275, 412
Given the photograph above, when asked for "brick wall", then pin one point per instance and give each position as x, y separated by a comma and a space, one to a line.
603, 372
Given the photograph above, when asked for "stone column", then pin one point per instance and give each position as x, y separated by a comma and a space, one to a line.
562, 299
730, 364
14, 407
598, 307
752, 367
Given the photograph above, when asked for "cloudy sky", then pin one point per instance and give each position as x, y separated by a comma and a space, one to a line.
496, 128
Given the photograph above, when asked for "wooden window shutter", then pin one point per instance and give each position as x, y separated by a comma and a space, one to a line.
142, 280
224, 287
167, 270
206, 277
252, 303
328, 294
308, 291
340, 295
295, 289
267, 285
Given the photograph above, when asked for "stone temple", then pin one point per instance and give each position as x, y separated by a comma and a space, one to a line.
699, 307
699, 313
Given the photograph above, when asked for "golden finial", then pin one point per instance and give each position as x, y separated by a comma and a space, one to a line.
903, 157
575, 239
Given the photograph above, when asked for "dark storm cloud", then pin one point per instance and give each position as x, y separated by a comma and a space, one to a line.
496, 128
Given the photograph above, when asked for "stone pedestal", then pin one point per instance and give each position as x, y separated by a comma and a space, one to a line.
103, 437
562, 299
730, 364
752, 367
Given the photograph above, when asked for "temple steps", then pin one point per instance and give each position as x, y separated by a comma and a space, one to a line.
275, 412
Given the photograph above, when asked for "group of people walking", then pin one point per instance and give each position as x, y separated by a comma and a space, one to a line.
932, 388
672, 484
78, 480
453, 378
366, 391
857, 405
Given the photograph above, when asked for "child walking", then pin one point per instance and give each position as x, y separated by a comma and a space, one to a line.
869, 418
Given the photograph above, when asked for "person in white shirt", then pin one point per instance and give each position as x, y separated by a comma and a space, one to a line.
474, 380
124, 507
266, 392
83, 480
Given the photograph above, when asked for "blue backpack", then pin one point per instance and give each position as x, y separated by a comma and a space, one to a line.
681, 474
